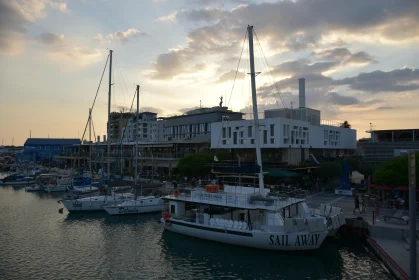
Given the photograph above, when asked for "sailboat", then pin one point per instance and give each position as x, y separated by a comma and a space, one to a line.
85, 201
139, 204
250, 216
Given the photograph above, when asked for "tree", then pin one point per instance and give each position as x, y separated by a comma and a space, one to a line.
395, 172
352, 161
329, 170
345, 124
366, 169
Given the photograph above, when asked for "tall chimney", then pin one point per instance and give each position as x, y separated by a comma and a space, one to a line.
302, 92
98, 138
104, 138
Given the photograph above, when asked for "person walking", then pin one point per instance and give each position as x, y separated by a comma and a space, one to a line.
363, 204
356, 202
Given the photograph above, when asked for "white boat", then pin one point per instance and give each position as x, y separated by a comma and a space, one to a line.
81, 192
95, 203
15, 180
249, 216
142, 204
59, 184
34, 187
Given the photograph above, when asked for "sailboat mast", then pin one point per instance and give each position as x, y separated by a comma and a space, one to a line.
136, 134
255, 108
109, 116
90, 142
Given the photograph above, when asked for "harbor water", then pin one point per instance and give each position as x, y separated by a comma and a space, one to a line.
37, 242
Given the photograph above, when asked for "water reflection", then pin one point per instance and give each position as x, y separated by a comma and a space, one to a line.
37, 242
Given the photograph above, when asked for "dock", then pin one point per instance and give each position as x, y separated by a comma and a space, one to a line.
389, 238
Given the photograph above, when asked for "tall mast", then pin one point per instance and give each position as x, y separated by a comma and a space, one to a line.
90, 142
109, 116
136, 134
255, 108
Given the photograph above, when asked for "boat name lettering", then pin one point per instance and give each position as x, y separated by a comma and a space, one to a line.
123, 210
279, 240
301, 240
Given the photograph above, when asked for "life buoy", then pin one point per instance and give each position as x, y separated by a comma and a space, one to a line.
176, 193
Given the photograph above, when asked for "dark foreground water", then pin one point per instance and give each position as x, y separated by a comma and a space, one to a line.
36, 242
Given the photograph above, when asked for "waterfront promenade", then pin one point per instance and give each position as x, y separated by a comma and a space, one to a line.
388, 234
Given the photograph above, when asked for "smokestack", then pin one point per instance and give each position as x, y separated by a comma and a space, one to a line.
302, 92
98, 138
104, 138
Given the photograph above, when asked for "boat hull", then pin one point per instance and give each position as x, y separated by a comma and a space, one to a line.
134, 209
16, 183
88, 205
34, 188
281, 241
56, 189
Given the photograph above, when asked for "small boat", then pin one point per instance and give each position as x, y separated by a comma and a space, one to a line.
59, 184
142, 204
34, 188
95, 203
17, 179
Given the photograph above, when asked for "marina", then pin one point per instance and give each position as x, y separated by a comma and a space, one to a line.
122, 247
206, 155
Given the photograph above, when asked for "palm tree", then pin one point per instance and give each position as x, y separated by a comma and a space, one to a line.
345, 124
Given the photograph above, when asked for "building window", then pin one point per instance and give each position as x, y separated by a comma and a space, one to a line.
242, 141
325, 143
272, 126
249, 131
225, 142
234, 138
285, 141
56, 148
38, 147
229, 132
252, 141
272, 140
224, 132
265, 137
241, 134
46, 147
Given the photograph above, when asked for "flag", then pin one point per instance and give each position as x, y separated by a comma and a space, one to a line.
215, 158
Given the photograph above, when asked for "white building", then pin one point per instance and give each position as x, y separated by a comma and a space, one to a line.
145, 126
292, 134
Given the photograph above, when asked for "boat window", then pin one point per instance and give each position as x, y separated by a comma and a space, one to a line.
172, 209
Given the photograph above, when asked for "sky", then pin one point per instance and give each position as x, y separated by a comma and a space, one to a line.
359, 59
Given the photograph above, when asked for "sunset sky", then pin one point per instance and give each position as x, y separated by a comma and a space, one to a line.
359, 58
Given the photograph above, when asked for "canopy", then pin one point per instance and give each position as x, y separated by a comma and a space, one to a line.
281, 173
404, 189
384, 188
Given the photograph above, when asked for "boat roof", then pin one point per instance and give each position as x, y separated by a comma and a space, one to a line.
242, 200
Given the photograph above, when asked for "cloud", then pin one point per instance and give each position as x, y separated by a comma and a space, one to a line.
185, 110
397, 80
125, 35
98, 37
345, 55
169, 18
168, 65
385, 108
152, 109
15, 16
303, 67
230, 76
206, 15
50, 38
337, 99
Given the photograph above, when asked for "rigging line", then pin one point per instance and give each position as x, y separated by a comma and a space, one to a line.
123, 80
122, 136
94, 101
269, 70
232, 88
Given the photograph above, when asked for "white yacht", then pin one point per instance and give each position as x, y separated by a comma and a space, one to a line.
141, 204
249, 216
95, 203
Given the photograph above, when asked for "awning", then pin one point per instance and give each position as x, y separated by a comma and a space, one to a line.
383, 188
281, 173
405, 189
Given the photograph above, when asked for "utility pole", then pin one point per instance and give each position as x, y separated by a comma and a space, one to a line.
412, 213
